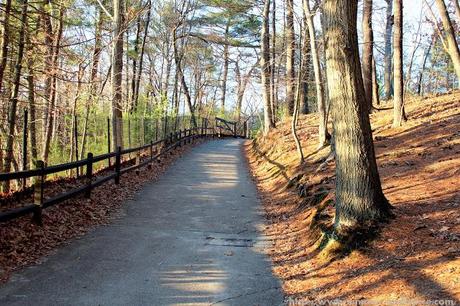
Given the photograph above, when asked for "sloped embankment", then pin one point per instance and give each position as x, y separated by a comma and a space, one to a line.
417, 255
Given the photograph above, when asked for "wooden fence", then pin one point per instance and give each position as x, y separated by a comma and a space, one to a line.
232, 128
152, 152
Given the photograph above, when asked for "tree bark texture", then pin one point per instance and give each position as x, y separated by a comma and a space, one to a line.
398, 108
368, 45
265, 68
290, 55
359, 195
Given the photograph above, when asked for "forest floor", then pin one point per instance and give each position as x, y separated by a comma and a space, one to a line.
415, 258
22, 242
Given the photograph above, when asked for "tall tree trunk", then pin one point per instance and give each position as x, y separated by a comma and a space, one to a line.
368, 45
323, 135
74, 131
31, 100
51, 95
422, 70
306, 64
135, 60
398, 109
117, 73
297, 100
15, 93
451, 43
388, 87
167, 74
141, 56
265, 68
239, 101
375, 85
273, 79
93, 76
290, 55
178, 63
48, 42
225, 72
242, 83
359, 195
5, 41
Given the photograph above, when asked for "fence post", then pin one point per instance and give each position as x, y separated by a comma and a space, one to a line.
38, 192
129, 137
118, 166
108, 139
75, 133
149, 166
89, 174
138, 160
24, 147
245, 129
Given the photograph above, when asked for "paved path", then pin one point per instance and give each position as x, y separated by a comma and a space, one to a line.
191, 238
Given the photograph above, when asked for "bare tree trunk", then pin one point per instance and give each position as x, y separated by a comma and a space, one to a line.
188, 98
398, 109
242, 81
322, 129
15, 93
31, 100
92, 87
117, 73
73, 138
239, 96
265, 68
5, 41
165, 81
53, 84
451, 43
133, 104
422, 70
273, 79
290, 55
359, 195
368, 45
225, 72
4, 59
141, 56
375, 85
297, 101
306, 64
388, 88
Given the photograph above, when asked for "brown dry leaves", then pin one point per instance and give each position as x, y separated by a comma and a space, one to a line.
417, 255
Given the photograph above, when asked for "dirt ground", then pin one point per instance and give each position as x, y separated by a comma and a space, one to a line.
415, 260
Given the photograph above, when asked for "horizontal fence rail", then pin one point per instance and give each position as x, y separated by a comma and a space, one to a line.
153, 151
